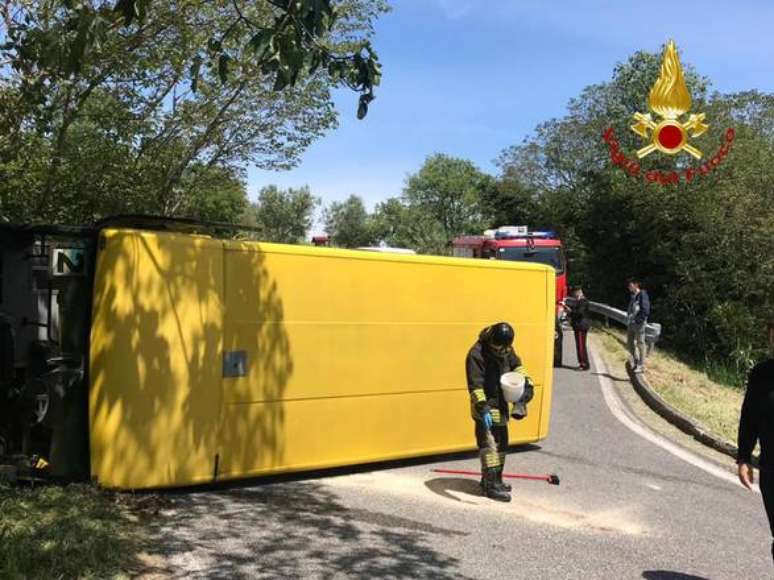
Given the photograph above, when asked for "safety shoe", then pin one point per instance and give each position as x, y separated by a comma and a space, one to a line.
497, 494
500, 483
506, 487
494, 491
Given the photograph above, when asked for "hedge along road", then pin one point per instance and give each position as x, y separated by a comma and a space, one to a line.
626, 508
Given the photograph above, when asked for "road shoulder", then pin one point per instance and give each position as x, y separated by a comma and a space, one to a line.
620, 379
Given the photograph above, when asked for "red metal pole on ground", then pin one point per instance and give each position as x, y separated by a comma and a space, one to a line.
551, 478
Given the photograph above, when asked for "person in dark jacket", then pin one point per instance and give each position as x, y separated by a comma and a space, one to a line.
636, 320
756, 424
488, 359
581, 323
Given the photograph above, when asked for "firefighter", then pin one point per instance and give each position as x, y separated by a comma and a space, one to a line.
489, 358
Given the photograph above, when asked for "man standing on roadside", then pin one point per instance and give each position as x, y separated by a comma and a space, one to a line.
636, 320
581, 323
757, 424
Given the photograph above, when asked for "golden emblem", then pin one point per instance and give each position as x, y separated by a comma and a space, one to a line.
669, 98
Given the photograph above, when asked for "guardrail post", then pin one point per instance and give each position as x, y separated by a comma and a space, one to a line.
652, 334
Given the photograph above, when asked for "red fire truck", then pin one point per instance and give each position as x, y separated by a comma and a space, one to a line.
519, 244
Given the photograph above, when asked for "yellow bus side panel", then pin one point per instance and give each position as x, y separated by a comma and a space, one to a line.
354, 359
156, 343
351, 357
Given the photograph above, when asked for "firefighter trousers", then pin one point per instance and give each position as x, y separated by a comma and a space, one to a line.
489, 459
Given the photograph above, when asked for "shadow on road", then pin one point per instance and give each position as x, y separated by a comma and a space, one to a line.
612, 377
291, 530
667, 575
443, 485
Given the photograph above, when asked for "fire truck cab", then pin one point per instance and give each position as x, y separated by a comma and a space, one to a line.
519, 244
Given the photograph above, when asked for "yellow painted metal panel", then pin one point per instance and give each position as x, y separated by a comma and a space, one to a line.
318, 433
155, 371
351, 356
355, 357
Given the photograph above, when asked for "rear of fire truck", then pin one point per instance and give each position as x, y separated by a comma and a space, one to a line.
518, 243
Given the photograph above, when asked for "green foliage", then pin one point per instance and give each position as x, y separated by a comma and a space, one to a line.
348, 223
509, 202
65, 532
452, 192
55, 40
407, 226
101, 113
447, 197
215, 194
704, 249
284, 216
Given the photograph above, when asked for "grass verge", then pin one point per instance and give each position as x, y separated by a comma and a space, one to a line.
716, 406
75, 531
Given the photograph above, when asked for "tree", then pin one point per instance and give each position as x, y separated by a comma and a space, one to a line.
704, 248
139, 101
509, 202
447, 197
348, 223
288, 39
451, 191
403, 226
216, 194
284, 216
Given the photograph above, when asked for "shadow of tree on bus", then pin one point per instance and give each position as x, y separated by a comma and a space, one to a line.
160, 331
296, 529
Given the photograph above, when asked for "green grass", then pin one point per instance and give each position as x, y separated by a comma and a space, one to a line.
713, 404
75, 531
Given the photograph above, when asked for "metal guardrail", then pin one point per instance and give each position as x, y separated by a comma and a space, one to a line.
652, 329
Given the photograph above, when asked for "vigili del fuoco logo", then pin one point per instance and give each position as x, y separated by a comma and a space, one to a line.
669, 100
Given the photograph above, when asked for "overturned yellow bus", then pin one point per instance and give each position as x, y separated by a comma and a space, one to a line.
213, 359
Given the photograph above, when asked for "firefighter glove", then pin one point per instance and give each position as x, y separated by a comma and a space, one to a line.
529, 391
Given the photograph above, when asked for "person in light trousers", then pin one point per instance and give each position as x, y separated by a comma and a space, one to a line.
636, 320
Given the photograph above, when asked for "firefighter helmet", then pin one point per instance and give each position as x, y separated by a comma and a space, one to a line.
500, 336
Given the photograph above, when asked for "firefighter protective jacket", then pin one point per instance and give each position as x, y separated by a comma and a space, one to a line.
483, 370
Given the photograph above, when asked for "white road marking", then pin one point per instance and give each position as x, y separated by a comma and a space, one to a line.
620, 412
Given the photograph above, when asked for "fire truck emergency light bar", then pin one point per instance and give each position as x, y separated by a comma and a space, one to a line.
515, 232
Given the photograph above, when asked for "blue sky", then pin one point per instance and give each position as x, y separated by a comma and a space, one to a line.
471, 77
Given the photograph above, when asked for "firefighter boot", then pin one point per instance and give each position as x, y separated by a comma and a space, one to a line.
492, 490
500, 483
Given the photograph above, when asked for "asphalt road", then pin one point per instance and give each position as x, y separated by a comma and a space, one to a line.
626, 508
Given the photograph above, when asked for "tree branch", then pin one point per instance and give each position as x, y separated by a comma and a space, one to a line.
173, 176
